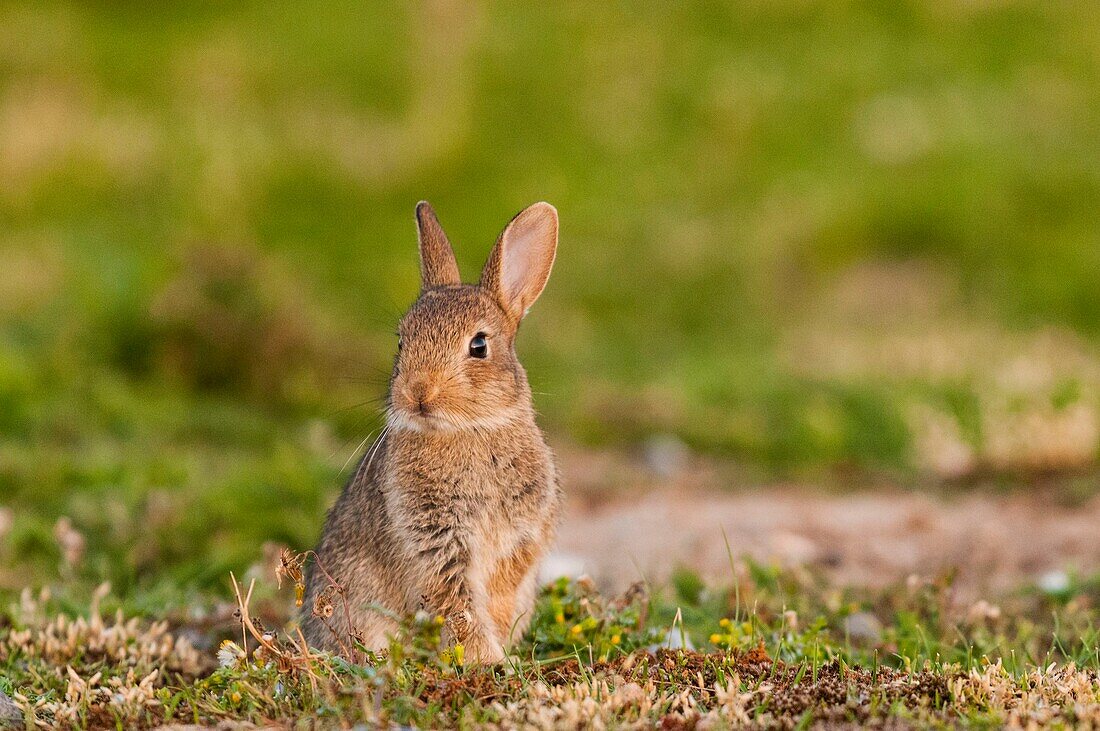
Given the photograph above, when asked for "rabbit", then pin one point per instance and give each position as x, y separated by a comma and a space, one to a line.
453, 507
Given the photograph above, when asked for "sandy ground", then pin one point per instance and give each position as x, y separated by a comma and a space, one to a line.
868, 537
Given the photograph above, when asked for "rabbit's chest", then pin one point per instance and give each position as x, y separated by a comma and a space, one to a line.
492, 496
509, 485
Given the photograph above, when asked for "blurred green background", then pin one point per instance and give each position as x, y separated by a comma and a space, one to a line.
854, 238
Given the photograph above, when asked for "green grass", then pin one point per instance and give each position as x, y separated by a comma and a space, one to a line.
206, 240
787, 659
718, 170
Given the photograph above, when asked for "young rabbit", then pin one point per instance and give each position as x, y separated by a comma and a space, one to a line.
453, 507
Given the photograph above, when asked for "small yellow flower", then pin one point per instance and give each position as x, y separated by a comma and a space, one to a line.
715, 638
459, 654
576, 629
559, 618
724, 622
616, 639
439, 619
235, 697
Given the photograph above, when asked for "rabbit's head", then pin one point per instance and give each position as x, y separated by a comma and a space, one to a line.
456, 367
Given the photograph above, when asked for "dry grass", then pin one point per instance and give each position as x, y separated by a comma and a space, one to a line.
91, 671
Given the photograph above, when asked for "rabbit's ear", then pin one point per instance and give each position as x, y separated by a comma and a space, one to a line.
520, 263
438, 267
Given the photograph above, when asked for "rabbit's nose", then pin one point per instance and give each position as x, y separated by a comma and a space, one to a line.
420, 394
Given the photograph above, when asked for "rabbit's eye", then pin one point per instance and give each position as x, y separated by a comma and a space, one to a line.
479, 346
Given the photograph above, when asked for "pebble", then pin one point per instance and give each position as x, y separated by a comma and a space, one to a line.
557, 565
666, 455
1054, 582
863, 626
10, 715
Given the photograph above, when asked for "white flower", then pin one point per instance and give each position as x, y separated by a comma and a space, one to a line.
230, 654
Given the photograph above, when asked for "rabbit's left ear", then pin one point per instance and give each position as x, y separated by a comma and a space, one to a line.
438, 267
520, 263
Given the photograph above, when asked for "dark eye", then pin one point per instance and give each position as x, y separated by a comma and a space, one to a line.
479, 346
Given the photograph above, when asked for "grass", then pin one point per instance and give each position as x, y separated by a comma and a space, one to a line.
820, 242
804, 240
219, 200
776, 650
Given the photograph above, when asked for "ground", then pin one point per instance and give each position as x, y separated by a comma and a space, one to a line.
995, 539
803, 608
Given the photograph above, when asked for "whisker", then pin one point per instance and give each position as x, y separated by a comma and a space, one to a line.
352, 455
376, 400
373, 380
365, 467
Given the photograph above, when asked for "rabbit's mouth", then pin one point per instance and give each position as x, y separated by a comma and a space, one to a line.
421, 418
435, 419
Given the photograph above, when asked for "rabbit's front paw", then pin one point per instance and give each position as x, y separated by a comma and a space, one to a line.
483, 650
478, 646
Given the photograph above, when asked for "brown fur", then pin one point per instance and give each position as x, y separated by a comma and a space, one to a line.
453, 508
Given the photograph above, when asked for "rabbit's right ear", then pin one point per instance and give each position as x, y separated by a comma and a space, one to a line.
438, 267
520, 263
